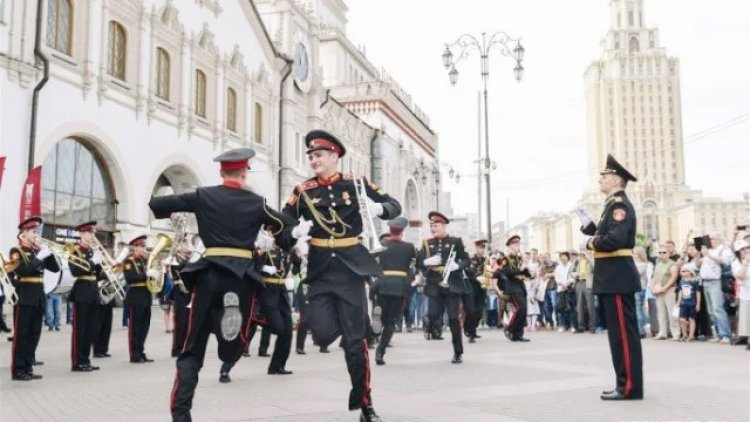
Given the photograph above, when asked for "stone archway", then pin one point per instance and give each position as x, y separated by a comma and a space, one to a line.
77, 187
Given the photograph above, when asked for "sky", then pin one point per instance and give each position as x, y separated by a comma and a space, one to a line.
537, 127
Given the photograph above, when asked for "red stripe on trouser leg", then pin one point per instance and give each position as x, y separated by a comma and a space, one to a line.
366, 395
515, 312
625, 350
73, 345
174, 391
130, 332
15, 340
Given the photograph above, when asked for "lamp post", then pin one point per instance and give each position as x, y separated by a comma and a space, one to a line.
426, 173
506, 46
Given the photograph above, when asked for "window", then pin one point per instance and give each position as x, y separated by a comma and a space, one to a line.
200, 93
231, 110
633, 46
117, 50
59, 24
630, 18
162, 73
258, 123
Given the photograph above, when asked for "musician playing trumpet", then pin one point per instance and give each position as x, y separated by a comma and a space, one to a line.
30, 259
434, 263
87, 269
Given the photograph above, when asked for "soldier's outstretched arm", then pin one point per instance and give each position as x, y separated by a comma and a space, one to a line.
589, 230
391, 207
164, 206
281, 226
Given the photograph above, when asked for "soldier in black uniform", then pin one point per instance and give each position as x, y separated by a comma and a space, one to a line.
229, 218
516, 274
432, 260
616, 279
138, 299
87, 269
180, 297
477, 263
274, 305
29, 262
338, 264
397, 260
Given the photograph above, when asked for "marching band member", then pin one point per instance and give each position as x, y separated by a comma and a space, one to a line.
477, 264
338, 264
180, 297
432, 261
30, 261
516, 273
138, 299
229, 219
87, 270
396, 260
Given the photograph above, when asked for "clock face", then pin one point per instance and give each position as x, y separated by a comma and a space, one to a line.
301, 63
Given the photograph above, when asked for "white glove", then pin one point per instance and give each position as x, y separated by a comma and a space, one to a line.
154, 274
433, 260
375, 208
584, 217
264, 241
96, 258
43, 253
301, 229
269, 269
585, 242
453, 267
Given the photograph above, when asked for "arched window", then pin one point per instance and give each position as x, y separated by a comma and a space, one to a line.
59, 25
231, 110
200, 93
162, 73
76, 187
118, 43
650, 220
258, 123
633, 46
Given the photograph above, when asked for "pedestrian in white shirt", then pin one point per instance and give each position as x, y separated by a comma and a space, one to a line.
564, 281
713, 258
741, 270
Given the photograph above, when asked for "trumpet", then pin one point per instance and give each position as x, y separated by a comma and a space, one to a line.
448, 264
368, 224
64, 252
7, 267
113, 286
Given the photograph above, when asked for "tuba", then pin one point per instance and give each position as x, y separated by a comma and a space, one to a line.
7, 267
163, 243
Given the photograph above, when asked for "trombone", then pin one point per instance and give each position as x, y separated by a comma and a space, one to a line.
65, 252
7, 267
113, 286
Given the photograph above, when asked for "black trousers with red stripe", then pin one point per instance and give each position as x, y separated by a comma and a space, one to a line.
27, 329
624, 342
84, 323
392, 308
518, 318
138, 326
204, 317
181, 313
103, 327
337, 306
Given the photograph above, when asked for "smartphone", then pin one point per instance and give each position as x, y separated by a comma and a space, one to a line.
742, 228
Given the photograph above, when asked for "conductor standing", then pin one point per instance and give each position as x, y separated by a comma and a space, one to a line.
616, 279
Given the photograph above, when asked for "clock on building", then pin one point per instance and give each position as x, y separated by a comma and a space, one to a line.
301, 67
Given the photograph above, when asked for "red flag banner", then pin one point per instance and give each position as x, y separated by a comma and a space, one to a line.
2, 169
31, 195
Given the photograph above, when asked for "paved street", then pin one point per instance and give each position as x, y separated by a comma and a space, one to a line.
556, 377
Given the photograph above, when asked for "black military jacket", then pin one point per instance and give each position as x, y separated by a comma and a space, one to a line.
515, 274
177, 293
227, 217
332, 207
85, 290
476, 270
398, 256
31, 294
457, 282
615, 231
136, 273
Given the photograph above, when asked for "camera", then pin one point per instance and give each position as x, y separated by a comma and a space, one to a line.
742, 228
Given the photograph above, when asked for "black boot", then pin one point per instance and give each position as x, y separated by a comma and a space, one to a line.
368, 415
379, 358
224, 373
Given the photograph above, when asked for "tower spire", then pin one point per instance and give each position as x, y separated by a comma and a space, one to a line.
626, 14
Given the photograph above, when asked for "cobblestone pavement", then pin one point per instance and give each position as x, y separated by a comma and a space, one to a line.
556, 377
